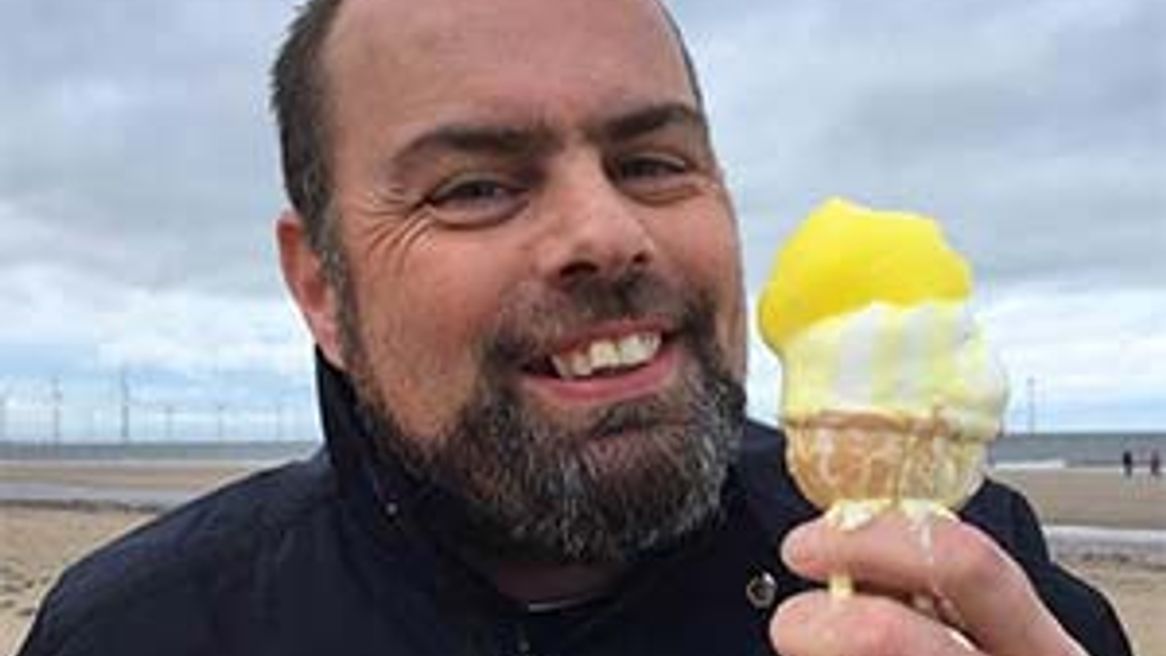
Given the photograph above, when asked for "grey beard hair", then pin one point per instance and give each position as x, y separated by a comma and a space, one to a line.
526, 489
507, 482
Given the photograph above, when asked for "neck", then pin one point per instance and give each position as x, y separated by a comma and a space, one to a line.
550, 586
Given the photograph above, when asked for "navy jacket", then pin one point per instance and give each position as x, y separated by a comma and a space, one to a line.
327, 557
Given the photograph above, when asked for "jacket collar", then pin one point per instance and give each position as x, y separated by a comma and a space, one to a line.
378, 487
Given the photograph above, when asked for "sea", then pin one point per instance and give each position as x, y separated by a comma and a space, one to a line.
1078, 449
240, 452
1044, 450
156, 454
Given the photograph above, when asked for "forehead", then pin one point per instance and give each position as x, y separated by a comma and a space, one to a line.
400, 62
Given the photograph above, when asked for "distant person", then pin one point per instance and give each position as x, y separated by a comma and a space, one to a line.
1155, 464
1127, 463
513, 245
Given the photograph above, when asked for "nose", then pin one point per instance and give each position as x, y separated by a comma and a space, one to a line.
593, 229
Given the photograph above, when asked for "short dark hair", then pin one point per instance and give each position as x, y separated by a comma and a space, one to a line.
299, 98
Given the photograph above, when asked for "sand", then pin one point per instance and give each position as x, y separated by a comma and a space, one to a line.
37, 540
36, 543
165, 475
1092, 497
1137, 591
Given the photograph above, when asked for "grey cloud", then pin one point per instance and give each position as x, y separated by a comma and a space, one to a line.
141, 141
1036, 131
1081, 86
141, 144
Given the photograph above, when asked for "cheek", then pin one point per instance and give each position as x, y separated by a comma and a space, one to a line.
733, 324
706, 240
709, 258
419, 325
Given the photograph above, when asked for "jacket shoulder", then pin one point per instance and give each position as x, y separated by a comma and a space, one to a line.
202, 539
771, 489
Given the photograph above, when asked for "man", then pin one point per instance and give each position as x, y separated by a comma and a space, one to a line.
512, 245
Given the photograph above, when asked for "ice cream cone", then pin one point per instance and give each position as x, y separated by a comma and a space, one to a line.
838, 456
890, 392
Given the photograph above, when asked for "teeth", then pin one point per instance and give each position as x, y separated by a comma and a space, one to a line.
638, 348
627, 351
631, 349
580, 364
604, 353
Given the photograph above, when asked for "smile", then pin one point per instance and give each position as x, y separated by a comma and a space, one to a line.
607, 356
611, 364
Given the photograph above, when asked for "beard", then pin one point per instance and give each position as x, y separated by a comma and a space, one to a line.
509, 480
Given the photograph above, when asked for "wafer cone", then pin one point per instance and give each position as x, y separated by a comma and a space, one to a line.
858, 464
838, 456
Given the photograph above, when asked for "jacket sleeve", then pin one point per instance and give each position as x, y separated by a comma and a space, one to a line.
53, 634
34, 642
71, 626
1084, 612
51, 631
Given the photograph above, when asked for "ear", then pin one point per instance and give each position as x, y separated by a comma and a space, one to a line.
303, 273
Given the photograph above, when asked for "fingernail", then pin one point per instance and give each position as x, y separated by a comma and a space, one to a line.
800, 549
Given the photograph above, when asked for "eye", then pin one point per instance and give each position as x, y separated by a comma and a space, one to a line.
654, 178
470, 192
654, 166
470, 200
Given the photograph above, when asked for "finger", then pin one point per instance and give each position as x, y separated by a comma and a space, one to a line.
976, 586
815, 624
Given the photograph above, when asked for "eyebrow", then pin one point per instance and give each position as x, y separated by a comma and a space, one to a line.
537, 138
483, 139
646, 120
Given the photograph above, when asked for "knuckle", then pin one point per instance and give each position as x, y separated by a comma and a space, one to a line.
783, 620
974, 560
878, 629
793, 618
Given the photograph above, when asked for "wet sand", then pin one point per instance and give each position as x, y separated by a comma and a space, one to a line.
1092, 497
39, 538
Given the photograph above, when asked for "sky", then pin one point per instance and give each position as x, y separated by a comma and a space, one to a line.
139, 184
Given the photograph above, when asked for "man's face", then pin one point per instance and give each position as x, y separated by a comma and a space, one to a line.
544, 289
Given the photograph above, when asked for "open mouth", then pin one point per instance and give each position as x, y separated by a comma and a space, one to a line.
607, 357
610, 363
601, 357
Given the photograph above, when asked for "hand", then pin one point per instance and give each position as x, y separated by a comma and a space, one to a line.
980, 601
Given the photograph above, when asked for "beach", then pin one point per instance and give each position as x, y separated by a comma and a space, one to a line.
1091, 496
1106, 529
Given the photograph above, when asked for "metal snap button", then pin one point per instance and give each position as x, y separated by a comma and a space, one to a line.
761, 590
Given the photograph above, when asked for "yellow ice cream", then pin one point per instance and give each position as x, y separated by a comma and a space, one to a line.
889, 390
868, 312
845, 257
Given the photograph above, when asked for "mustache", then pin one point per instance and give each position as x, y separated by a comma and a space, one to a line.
528, 328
